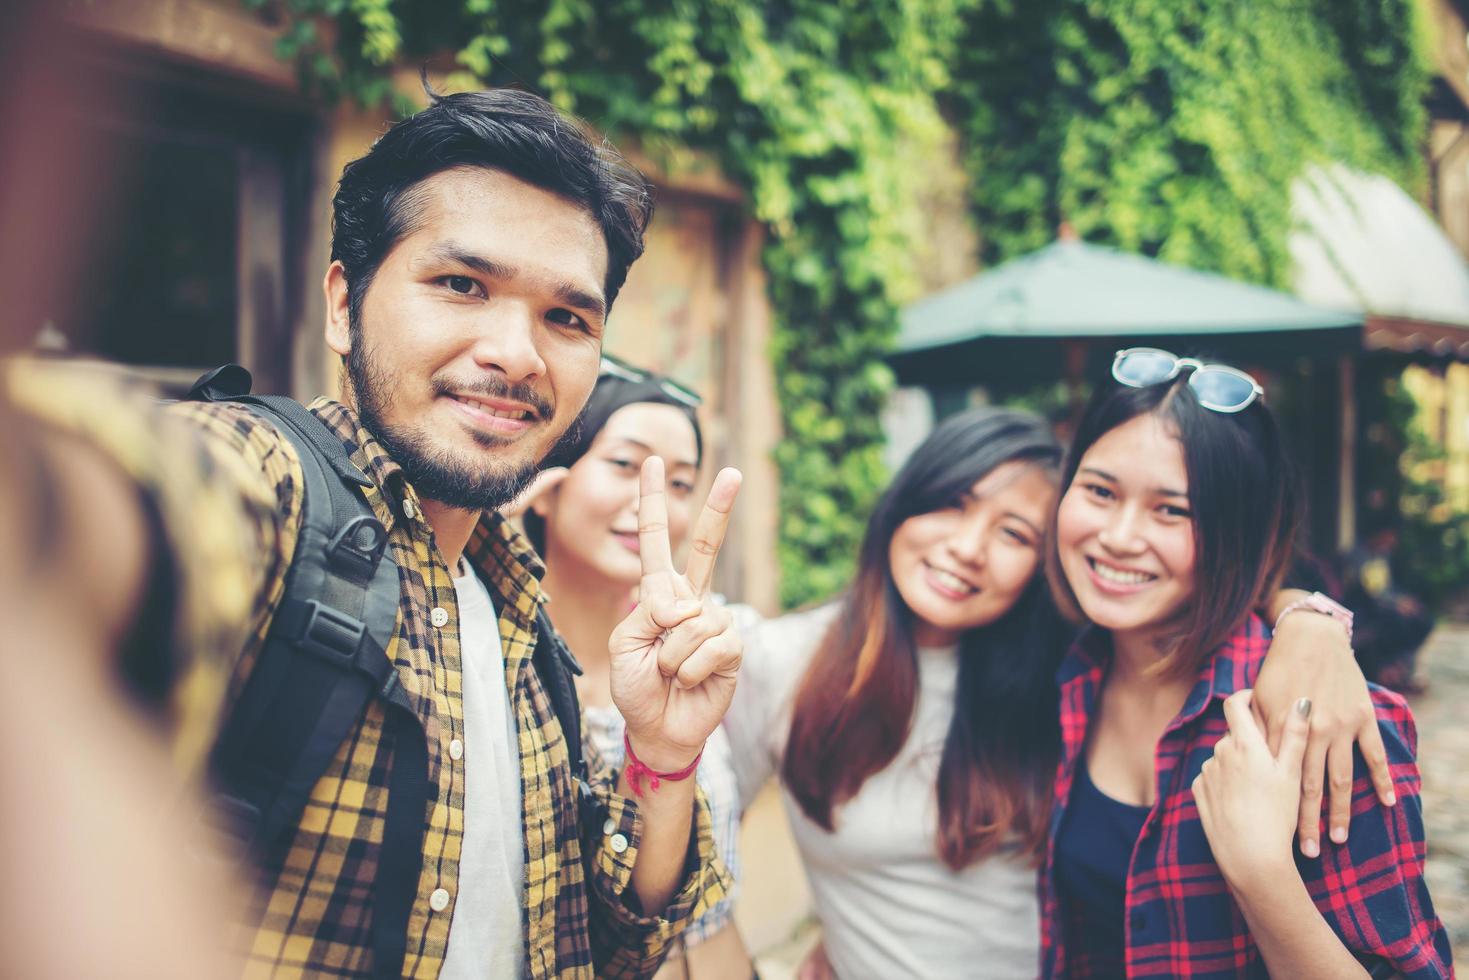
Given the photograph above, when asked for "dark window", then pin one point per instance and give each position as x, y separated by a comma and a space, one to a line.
162, 289
194, 260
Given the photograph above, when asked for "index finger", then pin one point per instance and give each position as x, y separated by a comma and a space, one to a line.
653, 547
1242, 723
1369, 740
710, 528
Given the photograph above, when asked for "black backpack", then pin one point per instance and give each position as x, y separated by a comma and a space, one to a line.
324, 658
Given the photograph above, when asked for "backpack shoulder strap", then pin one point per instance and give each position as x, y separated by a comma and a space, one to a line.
324, 655
324, 658
558, 669
555, 665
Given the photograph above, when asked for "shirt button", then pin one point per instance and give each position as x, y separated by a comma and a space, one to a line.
408, 509
456, 749
1139, 920
439, 616
439, 900
619, 843
609, 826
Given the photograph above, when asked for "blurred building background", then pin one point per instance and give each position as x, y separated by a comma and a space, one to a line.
216, 240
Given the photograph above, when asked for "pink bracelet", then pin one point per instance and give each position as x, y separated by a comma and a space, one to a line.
636, 769
1325, 605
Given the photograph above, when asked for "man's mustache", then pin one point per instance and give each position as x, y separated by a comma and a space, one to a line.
492, 386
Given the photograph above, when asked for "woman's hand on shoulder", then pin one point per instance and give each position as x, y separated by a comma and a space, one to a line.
1248, 796
1311, 656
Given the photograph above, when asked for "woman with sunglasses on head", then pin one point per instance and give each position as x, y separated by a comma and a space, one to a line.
1170, 848
912, 723
584, 522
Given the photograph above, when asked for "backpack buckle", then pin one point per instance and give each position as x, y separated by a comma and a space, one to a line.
358, 547
223, 383
331, 634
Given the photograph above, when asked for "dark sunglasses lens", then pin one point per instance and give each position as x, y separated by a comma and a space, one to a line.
1145, 367
1221, 389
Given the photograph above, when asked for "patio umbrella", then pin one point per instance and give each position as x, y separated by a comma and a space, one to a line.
1015, 318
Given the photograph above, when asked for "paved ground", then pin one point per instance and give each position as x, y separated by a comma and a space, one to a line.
1443, 753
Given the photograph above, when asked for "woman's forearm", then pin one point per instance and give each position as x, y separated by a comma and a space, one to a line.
1294, 939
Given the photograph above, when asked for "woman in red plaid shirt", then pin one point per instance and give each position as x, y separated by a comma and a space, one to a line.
1170, 849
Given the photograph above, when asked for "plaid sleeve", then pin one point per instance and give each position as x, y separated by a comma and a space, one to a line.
626, 943
717, 781
1371, 890
213, 521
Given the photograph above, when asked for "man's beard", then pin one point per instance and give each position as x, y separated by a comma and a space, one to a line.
437, 474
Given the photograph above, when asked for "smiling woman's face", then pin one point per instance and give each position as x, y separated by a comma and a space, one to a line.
592, 515
966, 565
1124, 532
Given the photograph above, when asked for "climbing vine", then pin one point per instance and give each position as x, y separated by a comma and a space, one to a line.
821, 110
1169, 127
1176, 128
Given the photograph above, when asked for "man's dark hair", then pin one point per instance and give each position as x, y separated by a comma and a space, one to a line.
516, 132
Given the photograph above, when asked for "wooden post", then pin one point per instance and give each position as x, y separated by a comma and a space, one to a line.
1346, 510
1073, 366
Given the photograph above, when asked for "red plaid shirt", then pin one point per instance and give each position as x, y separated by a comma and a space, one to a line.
1180, 920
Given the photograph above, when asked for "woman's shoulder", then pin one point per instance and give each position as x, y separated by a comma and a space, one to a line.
792, 637
812, 622
777, 652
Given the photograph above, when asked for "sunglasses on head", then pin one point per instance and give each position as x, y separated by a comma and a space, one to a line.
1218, 387
617, 368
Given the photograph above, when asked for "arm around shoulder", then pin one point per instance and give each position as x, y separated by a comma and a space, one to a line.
1372, 889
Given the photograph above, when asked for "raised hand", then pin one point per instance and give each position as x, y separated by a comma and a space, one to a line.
675, 657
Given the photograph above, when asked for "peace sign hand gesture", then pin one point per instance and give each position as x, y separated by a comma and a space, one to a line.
676, 655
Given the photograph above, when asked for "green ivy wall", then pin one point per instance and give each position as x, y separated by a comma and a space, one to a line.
1171, 127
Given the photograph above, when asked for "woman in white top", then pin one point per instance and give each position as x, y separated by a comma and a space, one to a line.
913, 722
585, 526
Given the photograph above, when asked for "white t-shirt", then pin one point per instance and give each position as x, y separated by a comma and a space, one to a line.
889, 906
486, 938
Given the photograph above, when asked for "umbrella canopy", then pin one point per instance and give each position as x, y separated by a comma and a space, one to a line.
1019, 313
1072, 289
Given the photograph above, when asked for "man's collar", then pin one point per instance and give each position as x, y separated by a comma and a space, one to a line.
500, 551
394, 497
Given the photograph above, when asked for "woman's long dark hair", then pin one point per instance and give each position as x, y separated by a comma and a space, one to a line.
854, 708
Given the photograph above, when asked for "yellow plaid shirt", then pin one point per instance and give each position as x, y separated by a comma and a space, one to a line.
223, 472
